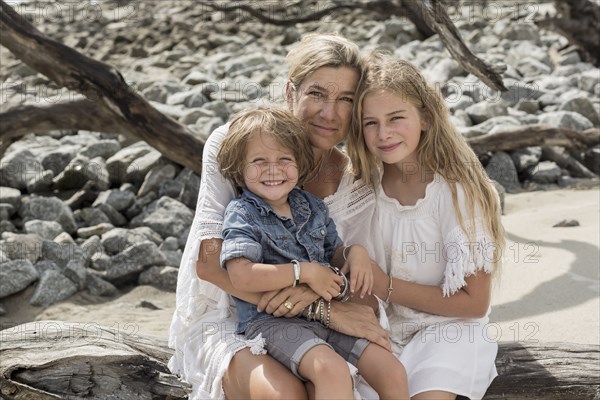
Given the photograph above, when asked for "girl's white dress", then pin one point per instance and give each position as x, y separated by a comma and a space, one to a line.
203, 326
424, 243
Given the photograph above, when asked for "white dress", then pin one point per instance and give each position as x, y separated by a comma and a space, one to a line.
425, 244
202, 331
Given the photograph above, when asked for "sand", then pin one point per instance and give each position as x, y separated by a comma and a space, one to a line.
548, 290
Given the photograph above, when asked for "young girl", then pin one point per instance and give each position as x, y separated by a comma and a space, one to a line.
276, 235
440, 221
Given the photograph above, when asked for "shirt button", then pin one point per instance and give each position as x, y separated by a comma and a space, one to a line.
323, 232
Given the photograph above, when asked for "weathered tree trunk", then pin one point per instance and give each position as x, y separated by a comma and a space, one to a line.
59, 360
101, 83
578, 21
534, 135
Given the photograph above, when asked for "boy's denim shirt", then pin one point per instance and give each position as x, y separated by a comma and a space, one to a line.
251, 229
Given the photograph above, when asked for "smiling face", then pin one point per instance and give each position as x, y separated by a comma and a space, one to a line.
323, 102
270, 169
391, 127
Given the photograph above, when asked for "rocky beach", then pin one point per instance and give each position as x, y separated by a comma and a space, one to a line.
93, 224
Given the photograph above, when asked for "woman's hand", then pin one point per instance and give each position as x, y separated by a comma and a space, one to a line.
358, 320
300, 296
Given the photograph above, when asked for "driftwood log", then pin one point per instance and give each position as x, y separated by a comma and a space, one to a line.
60, 360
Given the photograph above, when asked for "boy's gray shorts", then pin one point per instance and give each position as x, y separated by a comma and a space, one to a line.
289, 339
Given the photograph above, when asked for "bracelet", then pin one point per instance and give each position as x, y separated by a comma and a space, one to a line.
390, 290
328, 314
296, 265
344, 252
322, 310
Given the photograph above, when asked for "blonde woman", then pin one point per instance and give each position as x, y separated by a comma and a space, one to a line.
440, 225
324, 73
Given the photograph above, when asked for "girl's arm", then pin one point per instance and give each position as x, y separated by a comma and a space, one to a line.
471, 301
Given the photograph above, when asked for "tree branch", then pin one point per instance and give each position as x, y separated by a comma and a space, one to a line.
97, 80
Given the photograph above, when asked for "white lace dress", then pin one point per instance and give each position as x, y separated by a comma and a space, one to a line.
203, 326
425, 244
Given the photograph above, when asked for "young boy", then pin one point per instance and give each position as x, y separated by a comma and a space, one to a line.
275, 236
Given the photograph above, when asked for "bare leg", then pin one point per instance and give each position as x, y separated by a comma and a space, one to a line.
328, 371
382, 370
260, 377
434, 395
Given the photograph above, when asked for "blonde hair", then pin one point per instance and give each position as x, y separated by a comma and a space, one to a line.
441, 148
281, 124
317, 50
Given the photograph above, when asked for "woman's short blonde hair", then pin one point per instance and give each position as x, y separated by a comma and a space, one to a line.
281, 124
317, 50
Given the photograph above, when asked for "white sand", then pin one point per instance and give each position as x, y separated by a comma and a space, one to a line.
548, 291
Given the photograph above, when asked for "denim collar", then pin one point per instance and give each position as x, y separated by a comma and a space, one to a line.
298, 203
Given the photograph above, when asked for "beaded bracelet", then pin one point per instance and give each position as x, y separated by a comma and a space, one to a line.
322, 309
328, 319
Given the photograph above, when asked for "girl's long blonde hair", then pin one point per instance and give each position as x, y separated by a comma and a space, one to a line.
441, 149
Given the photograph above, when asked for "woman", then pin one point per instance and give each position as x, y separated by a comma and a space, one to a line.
440, 223
323, 77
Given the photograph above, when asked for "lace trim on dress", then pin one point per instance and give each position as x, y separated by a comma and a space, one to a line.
465, 257
351, 199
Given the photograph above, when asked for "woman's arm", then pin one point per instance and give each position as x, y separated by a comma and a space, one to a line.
471, 301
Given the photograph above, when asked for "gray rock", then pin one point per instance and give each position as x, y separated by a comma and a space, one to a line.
52, 288
184, 236
592, 159
155, 177
18, 246
170, 244
2, 311
45, 265
89, 231
172, 257
41, 182
566, 223
117, 199
62, 253
3, 257
564, 160
171, 189
569, 58
44, 229
166, 216
64, 238
138, 170
460, 119
522, 31
443, 71
175, 112
99, 287
528, 106
159, 91
118, 239
545, 172
196, 77
163, 278
519, 91
18, 168
498, 123
92, 248
117, 164
6, 211
501, 169
126, 266
91, 216
530, 67
566, 120
139, 204
219, 108
204, 126
455, 103
192, 115
58, 158
526, 158
48, 209
115, 217
79, 171
104, 148
191, 182
191, 98
583, 106
7, 226
522, 49
590, 81
15, 276
76, 271
10, 196
485, 110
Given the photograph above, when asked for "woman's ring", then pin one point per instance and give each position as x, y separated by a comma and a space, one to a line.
287, 304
